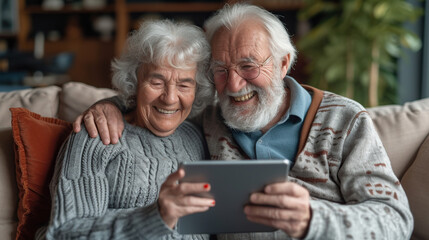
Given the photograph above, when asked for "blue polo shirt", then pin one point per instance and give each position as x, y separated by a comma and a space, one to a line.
281, 141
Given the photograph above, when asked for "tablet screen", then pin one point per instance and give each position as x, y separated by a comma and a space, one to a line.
231, 182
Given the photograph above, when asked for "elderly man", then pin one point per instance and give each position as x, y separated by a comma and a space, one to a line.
341, 183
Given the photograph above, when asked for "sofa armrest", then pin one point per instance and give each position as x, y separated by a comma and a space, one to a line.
415, 183
402, 130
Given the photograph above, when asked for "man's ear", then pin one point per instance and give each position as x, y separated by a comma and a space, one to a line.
285, 64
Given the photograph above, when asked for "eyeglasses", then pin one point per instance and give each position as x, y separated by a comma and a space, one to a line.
248, 70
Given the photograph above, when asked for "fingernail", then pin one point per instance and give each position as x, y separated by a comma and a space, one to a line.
246, 209
214, 202
206, 186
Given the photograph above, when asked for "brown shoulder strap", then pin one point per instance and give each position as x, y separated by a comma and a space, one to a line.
317, 97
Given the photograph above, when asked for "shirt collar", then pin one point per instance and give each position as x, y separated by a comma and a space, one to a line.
298, 101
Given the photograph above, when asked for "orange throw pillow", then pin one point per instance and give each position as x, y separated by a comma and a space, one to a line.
37, 142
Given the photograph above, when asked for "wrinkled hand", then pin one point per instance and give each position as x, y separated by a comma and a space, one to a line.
104, 118
284, 206
176, 200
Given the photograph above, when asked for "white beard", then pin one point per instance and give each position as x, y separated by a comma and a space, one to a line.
253, 118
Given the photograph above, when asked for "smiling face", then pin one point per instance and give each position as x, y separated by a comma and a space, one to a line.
249, 105
164, 98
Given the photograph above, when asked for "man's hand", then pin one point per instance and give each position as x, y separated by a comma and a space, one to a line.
104, 118
284, 206
177, 200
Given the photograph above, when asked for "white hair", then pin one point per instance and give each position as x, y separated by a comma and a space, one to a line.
231, 16
161, 42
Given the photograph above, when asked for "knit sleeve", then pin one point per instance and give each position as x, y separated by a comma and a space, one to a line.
81, 198
375, 205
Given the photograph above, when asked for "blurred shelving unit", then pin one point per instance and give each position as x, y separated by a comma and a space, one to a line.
71, 28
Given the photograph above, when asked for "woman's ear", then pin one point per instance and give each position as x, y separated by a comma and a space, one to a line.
285, 64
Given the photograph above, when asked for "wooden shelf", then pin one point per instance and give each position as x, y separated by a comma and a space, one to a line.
283, 6
173, 7
6, 35
165, 7
68, 9
275, 5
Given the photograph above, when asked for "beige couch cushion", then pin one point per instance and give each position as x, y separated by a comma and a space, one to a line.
416, 185
8, 187
402, 129
43, 101
76, 97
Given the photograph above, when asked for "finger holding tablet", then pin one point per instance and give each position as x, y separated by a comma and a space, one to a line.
284, 206
178, 200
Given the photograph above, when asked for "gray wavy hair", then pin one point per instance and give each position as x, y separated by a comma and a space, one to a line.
180, 45
231, 16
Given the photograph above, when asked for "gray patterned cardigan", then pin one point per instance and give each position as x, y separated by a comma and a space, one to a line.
342, 162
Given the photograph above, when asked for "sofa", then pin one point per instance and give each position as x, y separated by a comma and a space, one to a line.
403, 129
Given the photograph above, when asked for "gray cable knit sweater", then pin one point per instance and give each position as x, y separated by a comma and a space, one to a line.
111, 192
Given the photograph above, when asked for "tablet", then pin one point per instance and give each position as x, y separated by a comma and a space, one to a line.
231, 182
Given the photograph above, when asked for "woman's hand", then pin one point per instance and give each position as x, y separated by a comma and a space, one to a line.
178, 200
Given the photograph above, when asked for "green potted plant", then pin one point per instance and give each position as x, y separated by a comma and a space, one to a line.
353, 46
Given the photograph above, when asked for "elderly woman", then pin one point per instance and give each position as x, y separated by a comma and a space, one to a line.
130, 190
